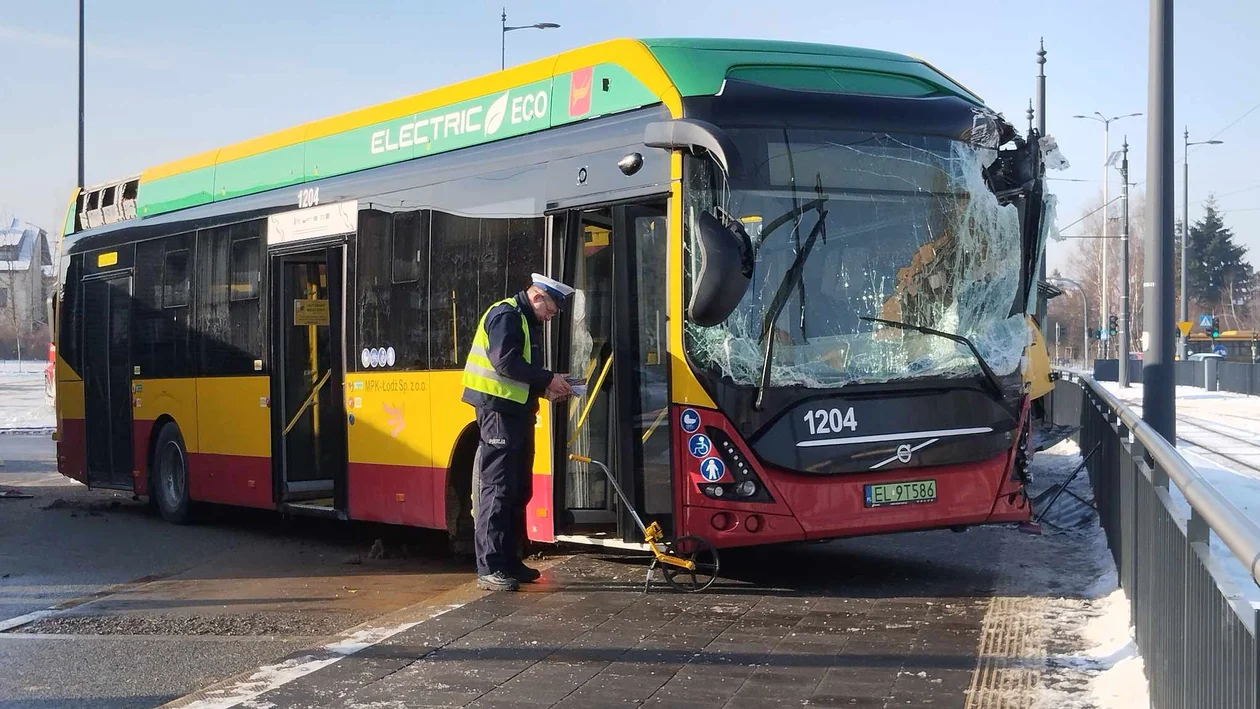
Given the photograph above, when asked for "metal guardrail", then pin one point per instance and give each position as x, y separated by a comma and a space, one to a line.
1239, 377
1194, 629
1236, 377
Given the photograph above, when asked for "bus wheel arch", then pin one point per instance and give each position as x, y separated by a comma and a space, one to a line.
168, 472
461, 491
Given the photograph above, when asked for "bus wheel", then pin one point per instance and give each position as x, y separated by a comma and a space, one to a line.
170, 470
461, 501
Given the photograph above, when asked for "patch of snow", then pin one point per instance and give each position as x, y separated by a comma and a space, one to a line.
1218, 423
1070, 585
23, 404
1106, 672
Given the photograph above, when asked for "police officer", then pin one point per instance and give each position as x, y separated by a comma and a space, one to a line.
503, 379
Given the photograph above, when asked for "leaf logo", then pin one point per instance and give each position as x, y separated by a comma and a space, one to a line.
494, 115
394, 417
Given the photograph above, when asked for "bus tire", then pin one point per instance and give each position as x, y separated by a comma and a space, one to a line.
461, 496
170, 475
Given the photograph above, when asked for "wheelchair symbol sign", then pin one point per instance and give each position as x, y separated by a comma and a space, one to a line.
700, 445
712, 469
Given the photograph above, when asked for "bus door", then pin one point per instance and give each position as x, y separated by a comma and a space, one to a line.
107, 380
614, 336
307, 349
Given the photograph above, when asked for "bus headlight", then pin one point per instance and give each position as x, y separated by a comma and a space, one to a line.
746, 488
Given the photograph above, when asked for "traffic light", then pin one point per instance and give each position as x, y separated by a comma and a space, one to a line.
1113, 326
1216, 328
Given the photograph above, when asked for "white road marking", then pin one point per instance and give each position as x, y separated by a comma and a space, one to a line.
24, 619
269, 677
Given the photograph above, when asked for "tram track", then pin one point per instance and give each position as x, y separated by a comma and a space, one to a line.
1184, 420
1189, 421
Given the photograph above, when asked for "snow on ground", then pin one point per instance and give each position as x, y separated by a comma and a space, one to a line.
9, 367
1219, 434
23, 404
1069, 581
1221, 422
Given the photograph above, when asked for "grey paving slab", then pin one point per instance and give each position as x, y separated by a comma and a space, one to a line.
891, 636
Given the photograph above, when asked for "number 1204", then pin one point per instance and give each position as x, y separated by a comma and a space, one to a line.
830, 421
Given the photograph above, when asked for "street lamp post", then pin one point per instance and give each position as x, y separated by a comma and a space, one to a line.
506, 29
81, 95
1106, 212
1084, 318
1124, 282
1041, 132
1185, 228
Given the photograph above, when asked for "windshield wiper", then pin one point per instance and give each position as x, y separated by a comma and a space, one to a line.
794, 274
781, 294
989, 375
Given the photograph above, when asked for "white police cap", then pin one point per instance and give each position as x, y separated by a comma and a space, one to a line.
552, 287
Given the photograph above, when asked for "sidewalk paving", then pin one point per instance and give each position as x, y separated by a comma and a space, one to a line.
898, 620
589, 637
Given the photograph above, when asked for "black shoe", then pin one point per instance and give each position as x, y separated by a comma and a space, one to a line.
524, 574
498, 581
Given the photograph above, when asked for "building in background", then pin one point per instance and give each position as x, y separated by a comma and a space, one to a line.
27, 277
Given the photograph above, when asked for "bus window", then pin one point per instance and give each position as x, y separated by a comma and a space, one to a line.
392, 274
175, 282
69, 330
160, 307
453, 288
473, 263
229, 334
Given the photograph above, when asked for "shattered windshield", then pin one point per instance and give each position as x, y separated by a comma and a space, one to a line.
847, 225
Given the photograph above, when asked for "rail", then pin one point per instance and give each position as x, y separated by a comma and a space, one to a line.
1194, 626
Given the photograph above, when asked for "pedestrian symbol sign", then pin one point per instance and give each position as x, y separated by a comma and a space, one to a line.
712, 469
1205, 321
699, 445
1184, 326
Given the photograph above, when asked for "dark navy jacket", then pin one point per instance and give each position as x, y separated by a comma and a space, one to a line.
507, 342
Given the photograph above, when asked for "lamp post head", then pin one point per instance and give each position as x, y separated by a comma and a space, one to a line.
547, 25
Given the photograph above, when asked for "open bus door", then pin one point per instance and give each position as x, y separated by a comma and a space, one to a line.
614, 336
309, 423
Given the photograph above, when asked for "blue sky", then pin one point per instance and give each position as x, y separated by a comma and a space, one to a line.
168, 79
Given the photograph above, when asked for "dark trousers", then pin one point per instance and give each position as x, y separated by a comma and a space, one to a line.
506, 454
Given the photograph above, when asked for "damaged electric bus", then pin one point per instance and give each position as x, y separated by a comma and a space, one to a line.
805, 282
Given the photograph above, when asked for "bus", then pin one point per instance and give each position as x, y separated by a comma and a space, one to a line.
805, 282
1233, 345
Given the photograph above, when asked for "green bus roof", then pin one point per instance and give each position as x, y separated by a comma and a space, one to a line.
576, 85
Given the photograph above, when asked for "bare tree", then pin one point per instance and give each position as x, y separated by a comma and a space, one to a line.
8, 281
1085, 267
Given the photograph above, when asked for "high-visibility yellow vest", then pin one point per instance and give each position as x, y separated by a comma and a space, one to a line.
479, 373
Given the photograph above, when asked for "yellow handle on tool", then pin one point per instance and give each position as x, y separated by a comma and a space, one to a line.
579, 458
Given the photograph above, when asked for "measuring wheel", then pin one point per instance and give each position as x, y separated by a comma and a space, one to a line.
700, 553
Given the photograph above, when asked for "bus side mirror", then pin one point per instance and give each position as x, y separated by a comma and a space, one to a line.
695, 136
723, 271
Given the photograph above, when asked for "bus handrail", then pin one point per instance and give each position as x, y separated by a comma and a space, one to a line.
1239, 533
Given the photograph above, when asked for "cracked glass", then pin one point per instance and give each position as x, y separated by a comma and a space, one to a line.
849, 225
